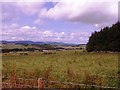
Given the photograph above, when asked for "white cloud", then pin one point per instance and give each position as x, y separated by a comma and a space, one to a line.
29, 8
16, 32
93, 11
39, 21
15, 10
97, 25
22, 1
62, 33
47, 33
26, 27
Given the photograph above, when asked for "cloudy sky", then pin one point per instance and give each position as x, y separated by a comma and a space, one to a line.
64, 21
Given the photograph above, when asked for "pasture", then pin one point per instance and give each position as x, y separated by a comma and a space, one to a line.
65, 66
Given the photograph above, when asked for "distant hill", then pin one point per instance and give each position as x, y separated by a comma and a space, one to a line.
14, 46
32, 42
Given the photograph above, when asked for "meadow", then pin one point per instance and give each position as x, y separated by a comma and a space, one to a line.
65, 66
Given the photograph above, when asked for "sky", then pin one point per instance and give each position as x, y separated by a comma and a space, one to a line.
66, 21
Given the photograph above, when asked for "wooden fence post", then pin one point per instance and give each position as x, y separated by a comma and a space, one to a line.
40, 84
12, 80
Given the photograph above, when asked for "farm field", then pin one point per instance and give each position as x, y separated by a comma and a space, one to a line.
65, 66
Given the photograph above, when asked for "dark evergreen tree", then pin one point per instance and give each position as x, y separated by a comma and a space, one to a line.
107, 39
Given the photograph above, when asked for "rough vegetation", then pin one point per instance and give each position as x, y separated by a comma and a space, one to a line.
70, 66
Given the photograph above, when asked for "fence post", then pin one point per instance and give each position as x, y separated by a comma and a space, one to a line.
40, 84
12, 80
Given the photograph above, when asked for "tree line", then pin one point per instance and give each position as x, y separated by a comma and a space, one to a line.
107, 39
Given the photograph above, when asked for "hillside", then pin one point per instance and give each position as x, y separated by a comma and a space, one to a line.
9, 46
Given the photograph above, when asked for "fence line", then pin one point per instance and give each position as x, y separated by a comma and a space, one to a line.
78, 84
40, 83
18, 85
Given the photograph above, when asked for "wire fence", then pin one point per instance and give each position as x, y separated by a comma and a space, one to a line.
39, 83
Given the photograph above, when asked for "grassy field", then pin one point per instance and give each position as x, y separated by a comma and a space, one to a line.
70, 66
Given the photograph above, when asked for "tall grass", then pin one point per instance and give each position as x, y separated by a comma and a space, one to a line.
74, 66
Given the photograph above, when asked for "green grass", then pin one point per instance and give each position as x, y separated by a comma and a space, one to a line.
73, 66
